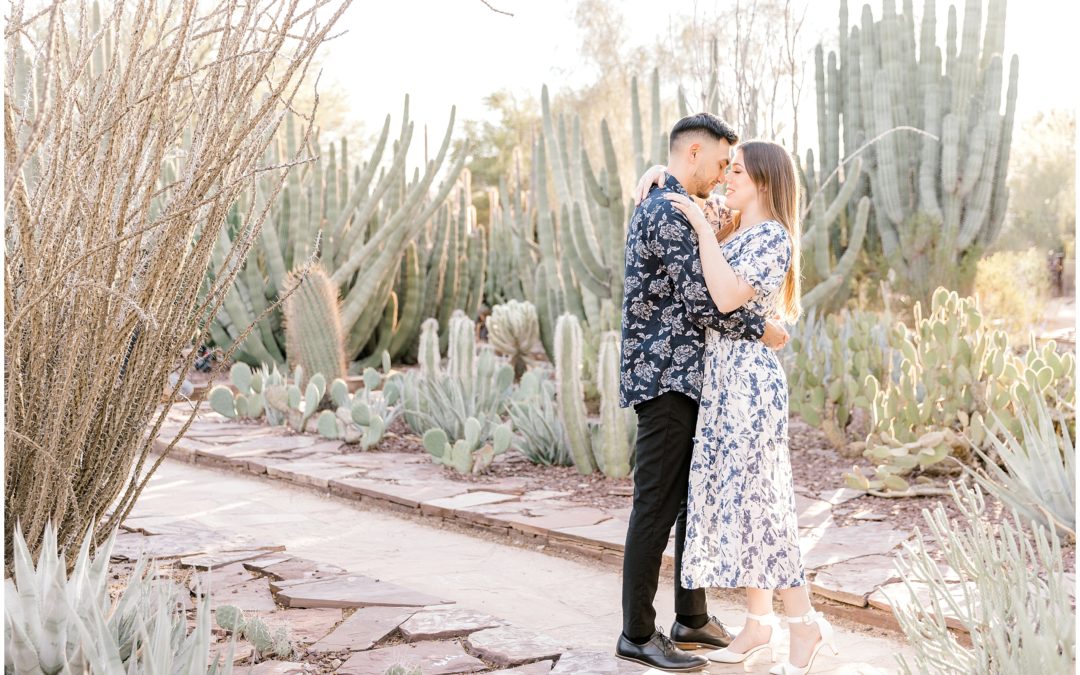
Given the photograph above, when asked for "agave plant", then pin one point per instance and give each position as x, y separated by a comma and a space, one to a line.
55, 623
1037, 471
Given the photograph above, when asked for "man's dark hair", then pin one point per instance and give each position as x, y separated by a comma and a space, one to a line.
707, 123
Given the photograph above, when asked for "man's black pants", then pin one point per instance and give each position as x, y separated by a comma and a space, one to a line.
665, 443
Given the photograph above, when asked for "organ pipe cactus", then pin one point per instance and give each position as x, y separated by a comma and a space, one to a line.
613, 438
369, 215
939, 199
570, 393
514, 331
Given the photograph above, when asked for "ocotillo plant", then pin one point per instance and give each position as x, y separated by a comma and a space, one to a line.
939, 198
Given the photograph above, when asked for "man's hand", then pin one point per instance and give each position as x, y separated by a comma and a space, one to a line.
775, 337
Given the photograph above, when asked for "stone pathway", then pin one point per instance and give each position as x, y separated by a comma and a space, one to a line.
513, 609
847, 566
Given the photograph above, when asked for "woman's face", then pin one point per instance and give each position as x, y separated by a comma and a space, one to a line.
741, 191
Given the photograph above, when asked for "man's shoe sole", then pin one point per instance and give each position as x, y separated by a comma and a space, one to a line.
688, 669
696, 645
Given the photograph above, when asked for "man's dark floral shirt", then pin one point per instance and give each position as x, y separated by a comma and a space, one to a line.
666, 306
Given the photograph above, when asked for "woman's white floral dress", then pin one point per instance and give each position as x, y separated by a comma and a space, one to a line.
741, 524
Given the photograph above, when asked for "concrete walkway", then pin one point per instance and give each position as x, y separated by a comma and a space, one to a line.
575, 602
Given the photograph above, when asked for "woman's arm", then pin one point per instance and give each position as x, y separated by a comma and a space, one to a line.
728, 291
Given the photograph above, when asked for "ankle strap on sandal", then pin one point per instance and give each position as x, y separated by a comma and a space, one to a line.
769, 619
810, 617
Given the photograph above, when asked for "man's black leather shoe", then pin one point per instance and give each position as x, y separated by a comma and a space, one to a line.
713, 635
660, 653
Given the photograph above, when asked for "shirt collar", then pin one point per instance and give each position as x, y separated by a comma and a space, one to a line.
672, 184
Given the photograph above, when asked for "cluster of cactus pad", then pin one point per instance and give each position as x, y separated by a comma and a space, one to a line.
954, 380
827, 366
266, 392
364, 416
267, 642
464, 401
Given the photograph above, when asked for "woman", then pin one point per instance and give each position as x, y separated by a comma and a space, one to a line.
742, 530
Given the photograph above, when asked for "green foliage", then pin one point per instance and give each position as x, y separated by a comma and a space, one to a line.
535, 418
55, 622
1016, 606
954, 376
473, 388
1037, 471
1042, 185
398, 669
1013, 288
470, 454
248, 402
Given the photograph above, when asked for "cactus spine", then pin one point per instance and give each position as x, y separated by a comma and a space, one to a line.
313, 324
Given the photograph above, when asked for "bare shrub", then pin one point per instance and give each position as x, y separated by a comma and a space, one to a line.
127, 140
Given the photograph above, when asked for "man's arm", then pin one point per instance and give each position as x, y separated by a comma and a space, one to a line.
676, 244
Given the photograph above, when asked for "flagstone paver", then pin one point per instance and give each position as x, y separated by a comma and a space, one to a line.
448, 506
289, 568
584, 662
279, 668
362, 630
811, 512
219, 577
221, 558
512, 646
306, 626
251, 596
852, 581
351, 590
445, 622
130, 545
830, 545
433, 658
898, 594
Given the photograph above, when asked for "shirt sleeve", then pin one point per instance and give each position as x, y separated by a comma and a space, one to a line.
676, 243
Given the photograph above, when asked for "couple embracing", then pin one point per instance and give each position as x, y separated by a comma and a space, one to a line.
700, 368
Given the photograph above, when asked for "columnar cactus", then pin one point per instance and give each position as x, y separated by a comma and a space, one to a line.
368, 220
514, 331
613, 438
313, 324
939, 199
570, 394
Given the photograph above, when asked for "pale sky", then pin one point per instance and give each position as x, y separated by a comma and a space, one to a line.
446, 52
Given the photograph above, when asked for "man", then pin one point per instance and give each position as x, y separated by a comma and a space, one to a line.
666, 309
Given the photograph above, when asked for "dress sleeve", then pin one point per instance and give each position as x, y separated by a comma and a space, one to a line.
766, 258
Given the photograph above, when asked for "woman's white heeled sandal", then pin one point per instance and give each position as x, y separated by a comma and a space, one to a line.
828, 637
725, 655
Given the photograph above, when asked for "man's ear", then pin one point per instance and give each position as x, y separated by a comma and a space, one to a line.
693, 150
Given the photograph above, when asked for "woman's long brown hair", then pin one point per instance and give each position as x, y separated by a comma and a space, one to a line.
771, 167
